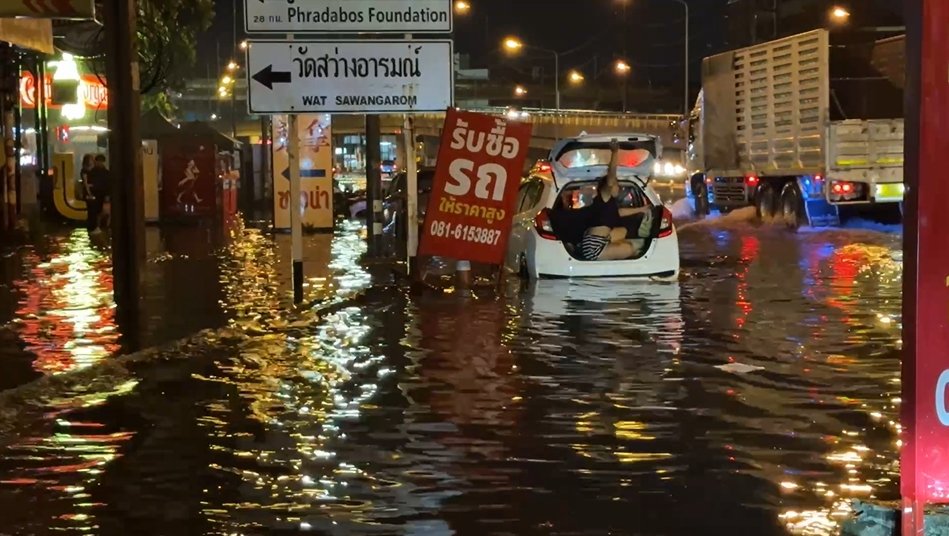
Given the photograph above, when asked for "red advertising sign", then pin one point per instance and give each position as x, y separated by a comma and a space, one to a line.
189, 177
92, 92
477, 177
925, 412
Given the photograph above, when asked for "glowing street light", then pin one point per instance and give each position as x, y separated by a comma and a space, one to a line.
839, 14
520, 91
513, 44
622, 68
462, 7
227, 79
576, 77
244, 45
232, 66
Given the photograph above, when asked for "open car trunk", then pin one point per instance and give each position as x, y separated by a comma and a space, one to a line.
568, 213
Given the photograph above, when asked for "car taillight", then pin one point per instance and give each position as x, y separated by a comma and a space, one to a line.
752, 180
544, 228
666, 226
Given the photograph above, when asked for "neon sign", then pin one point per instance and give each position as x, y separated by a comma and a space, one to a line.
92, 92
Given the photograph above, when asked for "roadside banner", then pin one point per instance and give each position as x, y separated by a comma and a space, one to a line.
477, 177
316, 171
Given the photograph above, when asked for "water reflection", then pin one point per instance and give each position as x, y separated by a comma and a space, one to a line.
66, 314
756, 396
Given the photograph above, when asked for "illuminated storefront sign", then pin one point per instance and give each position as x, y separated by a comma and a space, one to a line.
92, 92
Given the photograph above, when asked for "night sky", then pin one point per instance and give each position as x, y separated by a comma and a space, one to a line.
582, 29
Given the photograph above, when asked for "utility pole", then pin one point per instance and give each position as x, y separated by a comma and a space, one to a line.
373, 184
8, 87
125, 151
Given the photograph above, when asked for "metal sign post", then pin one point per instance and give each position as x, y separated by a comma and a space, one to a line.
411, 186
296, 218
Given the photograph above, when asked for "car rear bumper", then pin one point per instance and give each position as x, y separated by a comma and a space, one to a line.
551, 260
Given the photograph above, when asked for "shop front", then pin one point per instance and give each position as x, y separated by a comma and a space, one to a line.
69, 113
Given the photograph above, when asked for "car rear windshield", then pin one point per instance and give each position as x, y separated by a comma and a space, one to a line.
580, 194
585, 154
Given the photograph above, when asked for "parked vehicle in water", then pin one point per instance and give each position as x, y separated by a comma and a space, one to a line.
762, 133
568, 181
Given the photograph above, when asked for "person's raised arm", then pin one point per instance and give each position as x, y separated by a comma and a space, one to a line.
611, 174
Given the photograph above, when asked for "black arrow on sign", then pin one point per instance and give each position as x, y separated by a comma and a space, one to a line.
268, 77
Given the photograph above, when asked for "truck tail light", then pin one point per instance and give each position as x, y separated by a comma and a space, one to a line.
752, 180
847, 191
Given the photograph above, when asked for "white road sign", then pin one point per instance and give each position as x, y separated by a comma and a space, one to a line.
349, 76
348, 16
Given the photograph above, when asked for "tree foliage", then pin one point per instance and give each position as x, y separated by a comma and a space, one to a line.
167, 34
167, 40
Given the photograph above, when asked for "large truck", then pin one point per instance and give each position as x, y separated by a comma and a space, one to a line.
803, 131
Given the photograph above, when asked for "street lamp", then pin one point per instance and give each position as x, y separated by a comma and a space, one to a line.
520, 91
514, 45
243, 45
576, 77
462, 7
839, 14
623, 69
232, 66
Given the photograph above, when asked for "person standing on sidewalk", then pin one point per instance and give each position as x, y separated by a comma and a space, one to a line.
100, 184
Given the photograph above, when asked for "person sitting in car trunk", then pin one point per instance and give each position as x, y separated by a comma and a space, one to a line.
607, 237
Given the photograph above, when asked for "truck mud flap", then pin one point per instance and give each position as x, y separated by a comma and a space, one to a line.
820, 213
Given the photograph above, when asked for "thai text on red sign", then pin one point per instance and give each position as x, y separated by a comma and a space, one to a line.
477, 177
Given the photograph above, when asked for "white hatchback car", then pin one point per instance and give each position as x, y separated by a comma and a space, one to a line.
567, 181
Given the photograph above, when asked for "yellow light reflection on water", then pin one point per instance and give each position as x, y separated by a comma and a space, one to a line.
66, 314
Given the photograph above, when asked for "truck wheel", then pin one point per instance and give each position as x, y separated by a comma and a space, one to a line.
700, 193
766, 202
792, 207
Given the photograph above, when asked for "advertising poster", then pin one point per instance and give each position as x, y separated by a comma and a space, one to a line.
471, 208
188, 177
316, 171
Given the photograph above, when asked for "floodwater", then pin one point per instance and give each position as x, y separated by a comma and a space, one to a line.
756, 396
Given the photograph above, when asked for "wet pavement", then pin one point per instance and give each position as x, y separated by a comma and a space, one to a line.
756, 396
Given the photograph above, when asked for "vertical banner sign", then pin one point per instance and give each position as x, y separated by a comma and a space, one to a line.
316, 171
477, 177
925, 412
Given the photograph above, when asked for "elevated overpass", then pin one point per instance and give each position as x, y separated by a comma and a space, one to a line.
549, 125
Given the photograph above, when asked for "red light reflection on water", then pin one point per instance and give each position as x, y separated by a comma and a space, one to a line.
66, 315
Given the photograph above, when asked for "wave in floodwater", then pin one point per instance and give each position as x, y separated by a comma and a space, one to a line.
757, 395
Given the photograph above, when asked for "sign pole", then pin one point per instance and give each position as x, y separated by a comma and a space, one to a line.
411, 187
296, 225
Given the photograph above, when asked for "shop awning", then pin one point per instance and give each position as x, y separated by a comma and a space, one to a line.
31, 34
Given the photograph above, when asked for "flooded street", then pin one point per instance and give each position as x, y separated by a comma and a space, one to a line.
758, 395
